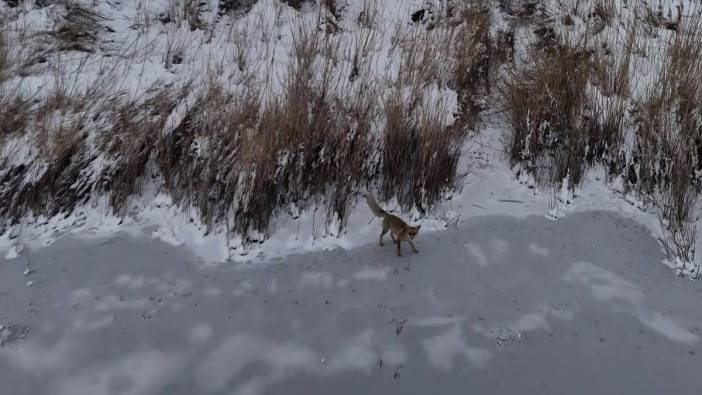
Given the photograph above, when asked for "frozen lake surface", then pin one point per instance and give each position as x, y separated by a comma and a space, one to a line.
500, 305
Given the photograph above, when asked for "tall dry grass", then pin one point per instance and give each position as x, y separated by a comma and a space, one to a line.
551, 116
421, 147
318, 141
572, 107
229, 148
668, 140
14, 108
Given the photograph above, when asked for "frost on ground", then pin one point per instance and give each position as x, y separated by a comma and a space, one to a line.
545, 310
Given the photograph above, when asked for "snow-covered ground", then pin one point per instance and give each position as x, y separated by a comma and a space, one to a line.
498, 304
510, 294
267, 31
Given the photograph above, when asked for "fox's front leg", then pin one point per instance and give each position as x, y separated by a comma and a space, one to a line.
398, 247
412, 245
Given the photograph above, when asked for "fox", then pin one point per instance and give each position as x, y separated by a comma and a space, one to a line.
399, 230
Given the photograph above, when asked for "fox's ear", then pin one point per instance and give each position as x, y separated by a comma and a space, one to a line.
417, 228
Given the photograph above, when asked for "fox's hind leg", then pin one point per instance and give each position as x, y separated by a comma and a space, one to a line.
382, 233
398, 247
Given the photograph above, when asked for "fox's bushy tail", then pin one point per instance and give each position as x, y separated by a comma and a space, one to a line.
374, 206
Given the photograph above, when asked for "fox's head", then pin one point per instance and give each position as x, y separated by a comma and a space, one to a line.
412, 231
